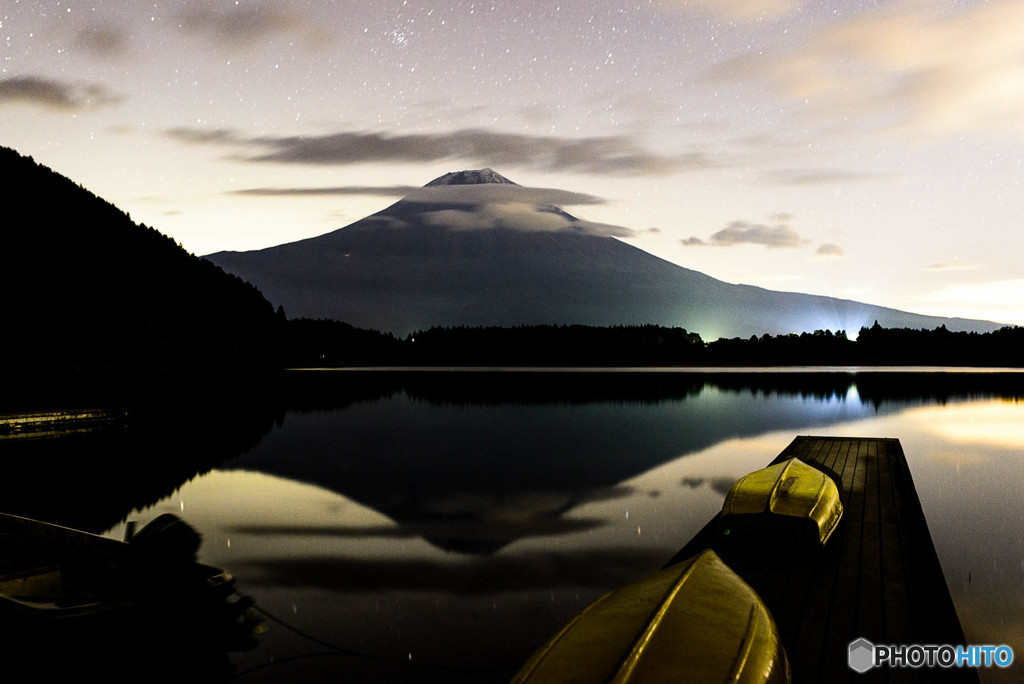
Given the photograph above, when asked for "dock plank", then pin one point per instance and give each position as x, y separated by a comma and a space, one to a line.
878, 578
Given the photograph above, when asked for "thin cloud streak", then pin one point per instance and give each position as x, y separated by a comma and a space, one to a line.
454, 194
738, 10
831, 250
953, 265
807, 177
55, 95
204, 136
779, 236
340, 191
107, 41
242, 28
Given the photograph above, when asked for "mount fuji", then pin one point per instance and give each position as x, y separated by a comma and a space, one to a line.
472, 248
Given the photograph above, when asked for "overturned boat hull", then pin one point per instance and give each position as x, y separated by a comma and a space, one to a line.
789, 502
694, 621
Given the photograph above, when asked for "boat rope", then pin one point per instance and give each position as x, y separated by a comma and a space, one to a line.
306, 635
333, 650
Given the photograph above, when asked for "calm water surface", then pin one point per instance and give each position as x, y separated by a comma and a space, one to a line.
446, 531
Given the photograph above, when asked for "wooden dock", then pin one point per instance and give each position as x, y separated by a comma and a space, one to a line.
51, 424
878, 578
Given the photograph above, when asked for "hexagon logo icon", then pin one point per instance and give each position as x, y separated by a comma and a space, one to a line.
862, 655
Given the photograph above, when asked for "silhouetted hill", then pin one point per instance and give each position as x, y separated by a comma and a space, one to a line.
308, 342
474, 249
87, 290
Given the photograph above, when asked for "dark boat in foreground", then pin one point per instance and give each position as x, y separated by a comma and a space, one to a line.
123, 606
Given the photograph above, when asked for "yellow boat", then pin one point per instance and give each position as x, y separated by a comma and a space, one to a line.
788, 502
695, 621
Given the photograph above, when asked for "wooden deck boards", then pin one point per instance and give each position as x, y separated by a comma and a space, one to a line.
878, 578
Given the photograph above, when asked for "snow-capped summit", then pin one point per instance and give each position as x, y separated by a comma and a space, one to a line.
470, 177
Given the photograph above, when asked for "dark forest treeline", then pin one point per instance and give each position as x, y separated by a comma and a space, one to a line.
876, 346
549, 345
329, 343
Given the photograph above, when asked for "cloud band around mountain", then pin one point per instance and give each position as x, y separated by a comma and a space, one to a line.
529, 218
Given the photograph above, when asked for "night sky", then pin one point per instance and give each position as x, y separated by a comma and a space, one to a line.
865, 150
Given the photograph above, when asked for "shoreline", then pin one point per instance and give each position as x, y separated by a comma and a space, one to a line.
696, 370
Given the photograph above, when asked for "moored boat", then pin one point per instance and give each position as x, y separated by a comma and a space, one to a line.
694, 621
68, 591
789, 502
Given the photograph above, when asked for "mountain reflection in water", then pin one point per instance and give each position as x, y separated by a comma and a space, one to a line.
450, 522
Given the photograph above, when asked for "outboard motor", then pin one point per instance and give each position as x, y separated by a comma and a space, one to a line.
167, 539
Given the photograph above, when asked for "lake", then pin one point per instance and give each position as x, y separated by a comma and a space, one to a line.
437, 524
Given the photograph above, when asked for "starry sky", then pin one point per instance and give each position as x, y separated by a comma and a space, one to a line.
867, 150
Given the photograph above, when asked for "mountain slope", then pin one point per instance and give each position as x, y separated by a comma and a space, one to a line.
472, 248
86, 288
